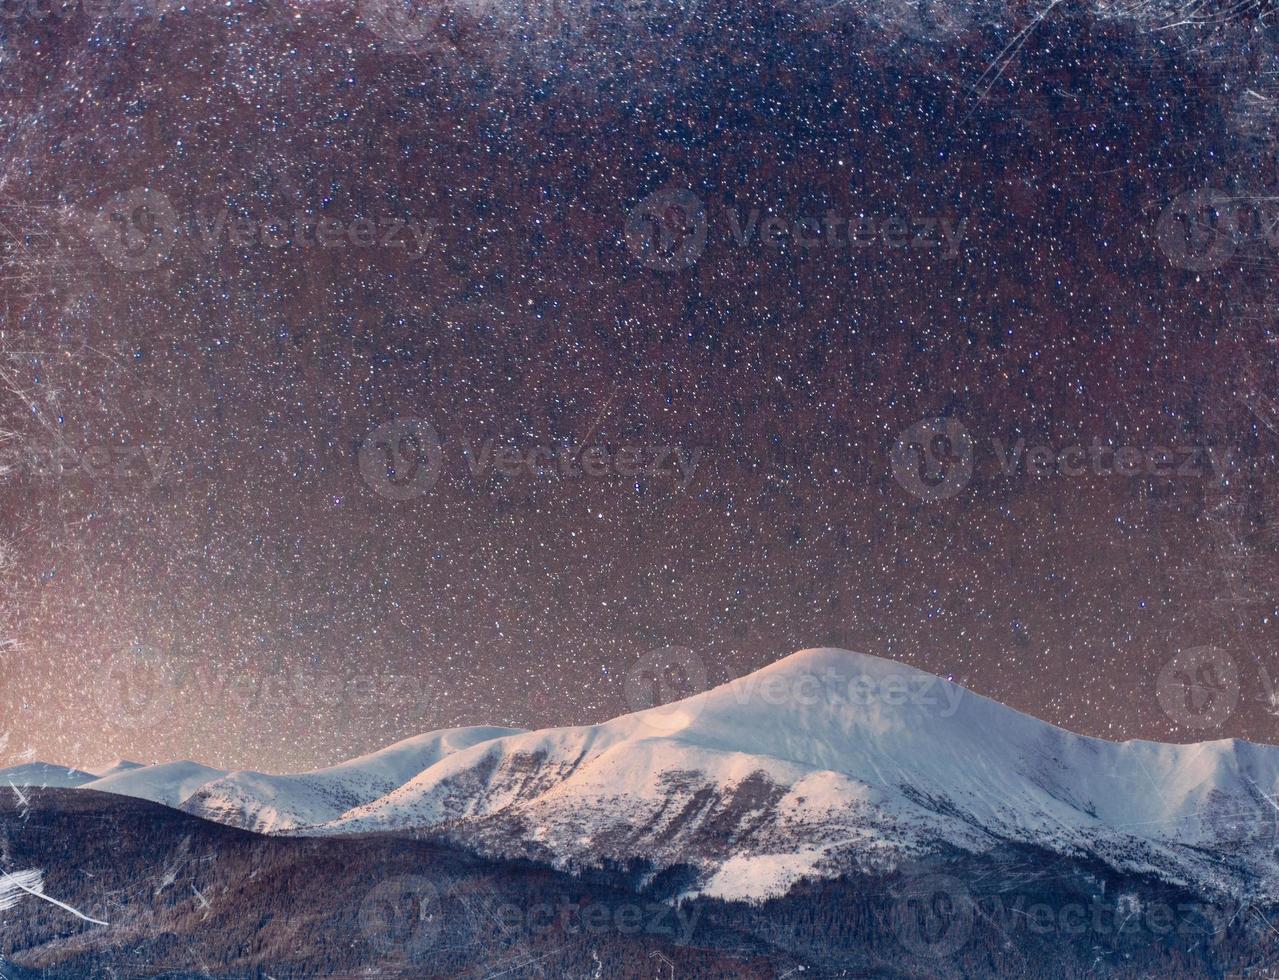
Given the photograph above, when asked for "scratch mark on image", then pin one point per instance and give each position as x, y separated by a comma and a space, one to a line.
204, 902
32, 883
171, 873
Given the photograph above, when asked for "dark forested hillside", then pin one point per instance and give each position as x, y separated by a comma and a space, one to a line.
181, 897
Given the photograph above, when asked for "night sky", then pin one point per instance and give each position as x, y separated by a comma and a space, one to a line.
314, 313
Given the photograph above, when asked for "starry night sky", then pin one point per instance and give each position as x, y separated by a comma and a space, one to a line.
202, 569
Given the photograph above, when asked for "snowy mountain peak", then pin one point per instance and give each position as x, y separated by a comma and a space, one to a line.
821, 762
829, 760
811, 706
816, 660
44, 774
120, 765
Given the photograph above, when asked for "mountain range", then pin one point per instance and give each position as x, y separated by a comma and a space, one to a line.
822, 764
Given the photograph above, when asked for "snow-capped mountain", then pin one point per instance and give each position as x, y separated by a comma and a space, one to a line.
44, 774
829, 760
119, 766
267, 804
169, 783
822, 762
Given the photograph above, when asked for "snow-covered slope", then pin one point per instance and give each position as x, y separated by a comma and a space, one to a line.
169, 782
822, 762
119, 766
44, 774
829, 760
267, 804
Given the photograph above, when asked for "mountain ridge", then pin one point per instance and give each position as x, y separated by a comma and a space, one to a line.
823, 762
